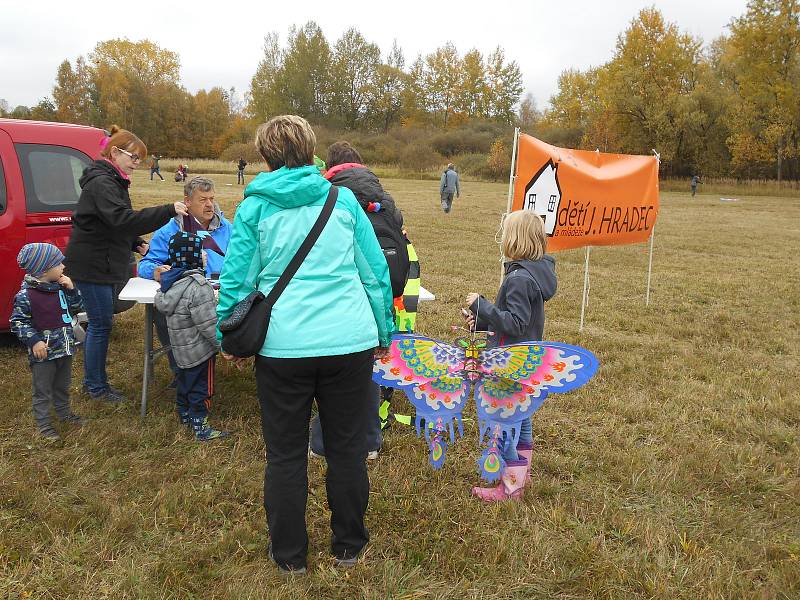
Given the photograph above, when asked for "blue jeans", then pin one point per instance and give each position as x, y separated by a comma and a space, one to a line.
374, 436
509, 449
99, 301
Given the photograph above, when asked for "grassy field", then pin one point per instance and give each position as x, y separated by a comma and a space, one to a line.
722, 186
674, 474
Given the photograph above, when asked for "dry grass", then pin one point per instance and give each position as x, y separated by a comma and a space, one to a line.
674, 474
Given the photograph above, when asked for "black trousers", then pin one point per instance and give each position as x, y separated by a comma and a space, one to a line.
342, 386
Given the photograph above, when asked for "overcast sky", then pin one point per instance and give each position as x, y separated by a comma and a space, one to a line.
220, 43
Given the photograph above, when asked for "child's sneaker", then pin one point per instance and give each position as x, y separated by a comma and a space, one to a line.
49, 434
183, 416
372, 455
203, 432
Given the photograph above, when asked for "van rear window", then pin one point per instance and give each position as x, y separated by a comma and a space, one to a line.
51, 174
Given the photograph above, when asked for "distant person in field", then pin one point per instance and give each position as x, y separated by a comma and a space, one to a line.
695, 181
516, 316
205, 218
154, 168
448, 187
240, 172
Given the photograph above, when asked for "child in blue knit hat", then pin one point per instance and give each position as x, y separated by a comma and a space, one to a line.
42, 320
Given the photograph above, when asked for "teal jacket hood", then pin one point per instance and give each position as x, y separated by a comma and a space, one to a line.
289, 188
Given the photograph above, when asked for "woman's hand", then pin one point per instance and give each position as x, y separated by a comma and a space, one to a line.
143, 248
381, 353
180, 208
237, 361
471, 297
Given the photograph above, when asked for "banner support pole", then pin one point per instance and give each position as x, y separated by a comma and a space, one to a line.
652, 239
650, 267
585, 286
512, 179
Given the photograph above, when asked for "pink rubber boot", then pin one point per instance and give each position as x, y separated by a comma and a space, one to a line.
525, 450
512, 483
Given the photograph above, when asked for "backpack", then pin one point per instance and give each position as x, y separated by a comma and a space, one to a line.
394, 246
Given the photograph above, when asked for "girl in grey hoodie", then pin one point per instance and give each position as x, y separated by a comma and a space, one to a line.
516, 317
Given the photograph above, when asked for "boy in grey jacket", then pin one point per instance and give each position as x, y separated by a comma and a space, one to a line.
187, 300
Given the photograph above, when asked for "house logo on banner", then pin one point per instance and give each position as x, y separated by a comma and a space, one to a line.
543, 195
586, 198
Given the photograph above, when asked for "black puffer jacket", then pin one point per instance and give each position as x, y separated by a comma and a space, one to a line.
366, 186
105, 229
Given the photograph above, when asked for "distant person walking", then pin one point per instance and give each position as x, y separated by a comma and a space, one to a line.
695, 181
240, 175
448, 186
154, 168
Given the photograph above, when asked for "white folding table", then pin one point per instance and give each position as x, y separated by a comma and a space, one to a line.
144, 291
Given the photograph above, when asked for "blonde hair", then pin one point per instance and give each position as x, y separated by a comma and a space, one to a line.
523, 236
287, 140
124, 140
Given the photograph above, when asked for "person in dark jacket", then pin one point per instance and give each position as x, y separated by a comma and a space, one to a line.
345, 168
240, 171
517, 316
105, 229
42, 320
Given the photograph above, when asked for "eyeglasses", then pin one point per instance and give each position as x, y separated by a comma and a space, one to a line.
134, 157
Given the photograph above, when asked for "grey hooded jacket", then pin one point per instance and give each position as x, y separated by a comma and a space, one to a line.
191, 313
518, 314
448, 184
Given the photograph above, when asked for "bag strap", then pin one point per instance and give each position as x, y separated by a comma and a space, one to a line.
304, 248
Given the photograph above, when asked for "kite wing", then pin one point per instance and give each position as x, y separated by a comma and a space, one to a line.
415, 360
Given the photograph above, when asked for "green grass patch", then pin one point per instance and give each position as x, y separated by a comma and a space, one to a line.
674, 474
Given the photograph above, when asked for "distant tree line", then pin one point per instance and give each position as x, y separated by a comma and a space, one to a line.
727, 108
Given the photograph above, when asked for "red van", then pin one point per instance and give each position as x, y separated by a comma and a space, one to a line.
40, 164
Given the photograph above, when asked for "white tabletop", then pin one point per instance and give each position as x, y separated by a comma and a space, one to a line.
140, 290
425, 295
144, 291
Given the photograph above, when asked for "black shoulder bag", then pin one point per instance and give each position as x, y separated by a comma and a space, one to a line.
244, 332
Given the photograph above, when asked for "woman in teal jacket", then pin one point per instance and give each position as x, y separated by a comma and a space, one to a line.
323, 334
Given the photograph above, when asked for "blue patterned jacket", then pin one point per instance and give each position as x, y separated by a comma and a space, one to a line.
43, 313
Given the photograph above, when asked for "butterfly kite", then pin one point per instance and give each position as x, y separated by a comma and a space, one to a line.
510, 384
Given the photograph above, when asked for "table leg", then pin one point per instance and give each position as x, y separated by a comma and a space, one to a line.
148, 355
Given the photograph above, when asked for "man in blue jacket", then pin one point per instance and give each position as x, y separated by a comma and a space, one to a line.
204, 219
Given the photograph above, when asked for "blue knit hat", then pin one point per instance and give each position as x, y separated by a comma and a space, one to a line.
186, 250
37, 258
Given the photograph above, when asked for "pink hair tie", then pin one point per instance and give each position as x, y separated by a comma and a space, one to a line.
104, 142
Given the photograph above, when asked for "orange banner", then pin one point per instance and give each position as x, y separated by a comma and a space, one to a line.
586, 198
